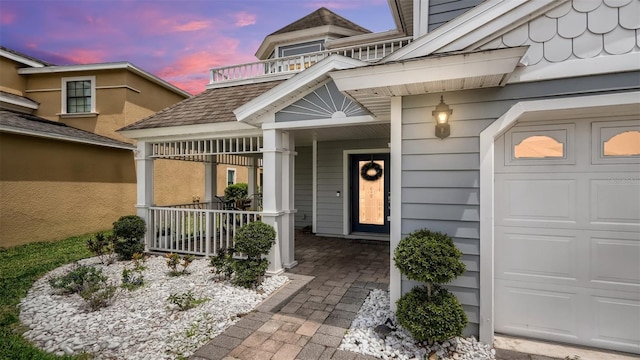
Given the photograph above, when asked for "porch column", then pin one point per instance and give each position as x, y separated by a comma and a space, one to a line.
144, 187
210, 180
288, 205
272, 194
252, 181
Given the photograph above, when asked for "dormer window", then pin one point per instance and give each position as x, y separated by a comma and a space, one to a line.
79, 95
302, 48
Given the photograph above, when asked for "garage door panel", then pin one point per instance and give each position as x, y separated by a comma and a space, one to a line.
615, 201
537, 200
624, 272
567, 236
617, 322
535, 257
548, 313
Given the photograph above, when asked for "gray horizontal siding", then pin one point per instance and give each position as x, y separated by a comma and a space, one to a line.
443, 11
441, 178
330, 208
304, 186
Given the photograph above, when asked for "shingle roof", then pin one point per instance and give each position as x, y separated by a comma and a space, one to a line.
321, 17
210, 106
13, 121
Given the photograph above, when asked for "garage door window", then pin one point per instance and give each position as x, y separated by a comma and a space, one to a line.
534, 145
616, 142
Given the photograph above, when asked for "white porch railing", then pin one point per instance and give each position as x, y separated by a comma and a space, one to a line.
195, 231
367, 52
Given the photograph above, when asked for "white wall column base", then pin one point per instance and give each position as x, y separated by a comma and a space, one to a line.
144, 187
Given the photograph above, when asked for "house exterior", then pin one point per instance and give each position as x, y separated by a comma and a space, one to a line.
536, 175
65, 170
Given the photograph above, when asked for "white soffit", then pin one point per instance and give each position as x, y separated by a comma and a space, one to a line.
373, 85
294, 88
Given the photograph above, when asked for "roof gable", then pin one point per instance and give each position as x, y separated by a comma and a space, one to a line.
22, 58
294, 88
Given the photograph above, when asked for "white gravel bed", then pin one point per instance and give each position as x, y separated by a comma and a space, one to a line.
399, 344
140, 324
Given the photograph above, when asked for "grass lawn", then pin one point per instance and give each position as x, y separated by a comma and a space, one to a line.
19, 268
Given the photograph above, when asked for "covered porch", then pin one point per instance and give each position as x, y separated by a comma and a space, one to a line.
207, 226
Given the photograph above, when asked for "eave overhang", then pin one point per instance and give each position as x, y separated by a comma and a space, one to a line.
105, 66
372, 86
294, 88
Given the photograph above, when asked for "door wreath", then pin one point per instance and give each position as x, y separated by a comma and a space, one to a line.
365, 171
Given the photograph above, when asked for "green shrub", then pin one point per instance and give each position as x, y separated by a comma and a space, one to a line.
255, 239
98, 294
249, 272
133, 278
429, 257
129, 232
435, 318
185, 301
236, 191
75, 280
175, 260
101, 245
222, 263
430, 312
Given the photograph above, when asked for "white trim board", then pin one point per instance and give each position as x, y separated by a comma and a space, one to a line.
577, 107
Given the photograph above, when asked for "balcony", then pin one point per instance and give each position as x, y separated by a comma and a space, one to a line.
285, 67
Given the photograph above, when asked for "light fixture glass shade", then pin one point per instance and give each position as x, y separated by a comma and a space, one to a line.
441, 114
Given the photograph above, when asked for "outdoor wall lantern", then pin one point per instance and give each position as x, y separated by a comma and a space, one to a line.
442, 113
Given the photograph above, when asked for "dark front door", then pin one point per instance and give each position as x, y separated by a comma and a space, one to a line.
370, 193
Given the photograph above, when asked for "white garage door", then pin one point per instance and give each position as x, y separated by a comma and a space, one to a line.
567, 232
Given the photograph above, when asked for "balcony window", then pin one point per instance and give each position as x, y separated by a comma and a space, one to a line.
231, 176
299, 49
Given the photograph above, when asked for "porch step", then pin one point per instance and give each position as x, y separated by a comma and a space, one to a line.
515, 348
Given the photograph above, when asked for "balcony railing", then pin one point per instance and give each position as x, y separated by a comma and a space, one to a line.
368, 52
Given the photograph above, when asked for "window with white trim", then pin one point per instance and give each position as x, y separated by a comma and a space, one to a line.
79, 95
540, 144
231, 176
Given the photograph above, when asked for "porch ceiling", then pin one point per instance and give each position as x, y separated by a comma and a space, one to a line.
305, 137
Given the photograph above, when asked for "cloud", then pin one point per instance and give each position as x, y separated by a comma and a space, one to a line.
244, 19
85, 56
192, 26
342, 4
7, 18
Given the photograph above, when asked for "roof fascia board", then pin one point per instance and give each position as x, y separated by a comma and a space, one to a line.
20, 59
295, 84
363, 39
496, 27
395, 14
107, 66
501, 61
469, 22
211, 130
19, 131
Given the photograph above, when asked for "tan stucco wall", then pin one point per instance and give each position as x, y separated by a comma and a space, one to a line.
242, 176
54, 189
10, 81
176, 182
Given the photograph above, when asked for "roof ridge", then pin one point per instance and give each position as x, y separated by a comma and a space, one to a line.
320, 17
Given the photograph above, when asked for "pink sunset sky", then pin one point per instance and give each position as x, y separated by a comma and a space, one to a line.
177, 40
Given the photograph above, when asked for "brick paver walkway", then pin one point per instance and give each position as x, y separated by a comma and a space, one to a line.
307, 318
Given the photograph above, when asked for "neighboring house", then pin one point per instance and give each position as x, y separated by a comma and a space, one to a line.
64, 169
536, 176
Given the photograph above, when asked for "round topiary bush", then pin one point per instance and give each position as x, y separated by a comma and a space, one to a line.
431, 318
429, 257
129, 232
255, 239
